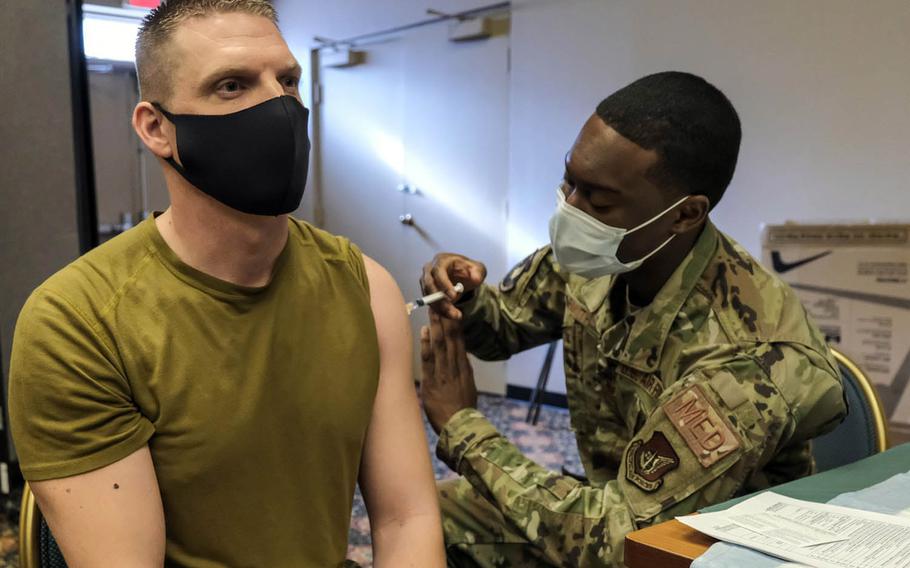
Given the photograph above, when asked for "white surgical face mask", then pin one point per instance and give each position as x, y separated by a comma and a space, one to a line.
585, 246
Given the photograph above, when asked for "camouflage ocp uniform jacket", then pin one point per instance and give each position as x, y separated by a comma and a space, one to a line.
711, 391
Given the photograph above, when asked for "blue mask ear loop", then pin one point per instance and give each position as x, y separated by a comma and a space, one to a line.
170, 159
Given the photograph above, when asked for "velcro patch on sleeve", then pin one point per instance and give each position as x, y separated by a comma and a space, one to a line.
647, 462
706, 431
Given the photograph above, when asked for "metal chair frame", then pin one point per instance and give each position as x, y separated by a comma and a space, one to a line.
29, 530
541, 387
873, 402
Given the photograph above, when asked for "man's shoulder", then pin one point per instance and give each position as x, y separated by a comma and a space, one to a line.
330, 249
91, 283
327, 245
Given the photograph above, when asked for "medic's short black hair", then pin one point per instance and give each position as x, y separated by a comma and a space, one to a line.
691, 125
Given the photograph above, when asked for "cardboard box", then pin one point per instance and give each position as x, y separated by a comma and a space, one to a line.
855, 283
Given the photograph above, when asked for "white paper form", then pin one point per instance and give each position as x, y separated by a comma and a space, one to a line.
868, 539
786, 531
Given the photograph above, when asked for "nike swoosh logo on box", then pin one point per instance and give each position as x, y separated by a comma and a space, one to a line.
780, 266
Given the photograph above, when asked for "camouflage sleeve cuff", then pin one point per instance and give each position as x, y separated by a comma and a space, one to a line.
466, 429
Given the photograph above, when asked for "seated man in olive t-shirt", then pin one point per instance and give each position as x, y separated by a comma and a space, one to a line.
207, 388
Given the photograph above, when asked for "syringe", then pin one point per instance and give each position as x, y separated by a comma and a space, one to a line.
431, 298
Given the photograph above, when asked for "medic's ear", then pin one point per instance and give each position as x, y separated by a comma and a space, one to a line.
691, 213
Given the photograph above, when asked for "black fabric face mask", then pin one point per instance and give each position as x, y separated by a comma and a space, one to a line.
254, 160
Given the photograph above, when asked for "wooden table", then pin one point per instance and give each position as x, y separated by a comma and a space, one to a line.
667, 545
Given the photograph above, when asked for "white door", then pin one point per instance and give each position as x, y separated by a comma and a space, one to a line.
431, 115
361, 153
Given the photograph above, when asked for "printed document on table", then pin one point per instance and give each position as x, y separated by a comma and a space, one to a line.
815, 534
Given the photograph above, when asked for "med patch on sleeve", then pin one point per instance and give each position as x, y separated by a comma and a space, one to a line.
706, 431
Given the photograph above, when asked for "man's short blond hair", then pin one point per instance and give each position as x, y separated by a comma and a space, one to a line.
153, 63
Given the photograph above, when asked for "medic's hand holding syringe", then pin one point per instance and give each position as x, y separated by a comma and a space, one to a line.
455, 275
431, 298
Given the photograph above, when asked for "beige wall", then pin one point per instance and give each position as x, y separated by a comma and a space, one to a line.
38, 232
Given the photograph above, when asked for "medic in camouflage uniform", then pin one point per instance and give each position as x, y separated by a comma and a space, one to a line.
692, 374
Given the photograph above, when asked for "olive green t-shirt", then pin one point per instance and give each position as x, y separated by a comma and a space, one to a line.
254, 402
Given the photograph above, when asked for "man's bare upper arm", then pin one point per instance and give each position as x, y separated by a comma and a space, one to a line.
396, 475
111, 516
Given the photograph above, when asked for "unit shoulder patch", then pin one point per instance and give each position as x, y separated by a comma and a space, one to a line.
647, 462
706, 431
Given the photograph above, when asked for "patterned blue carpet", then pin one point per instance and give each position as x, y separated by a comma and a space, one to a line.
550, 443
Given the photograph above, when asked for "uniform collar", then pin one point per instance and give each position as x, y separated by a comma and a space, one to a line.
637, 340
